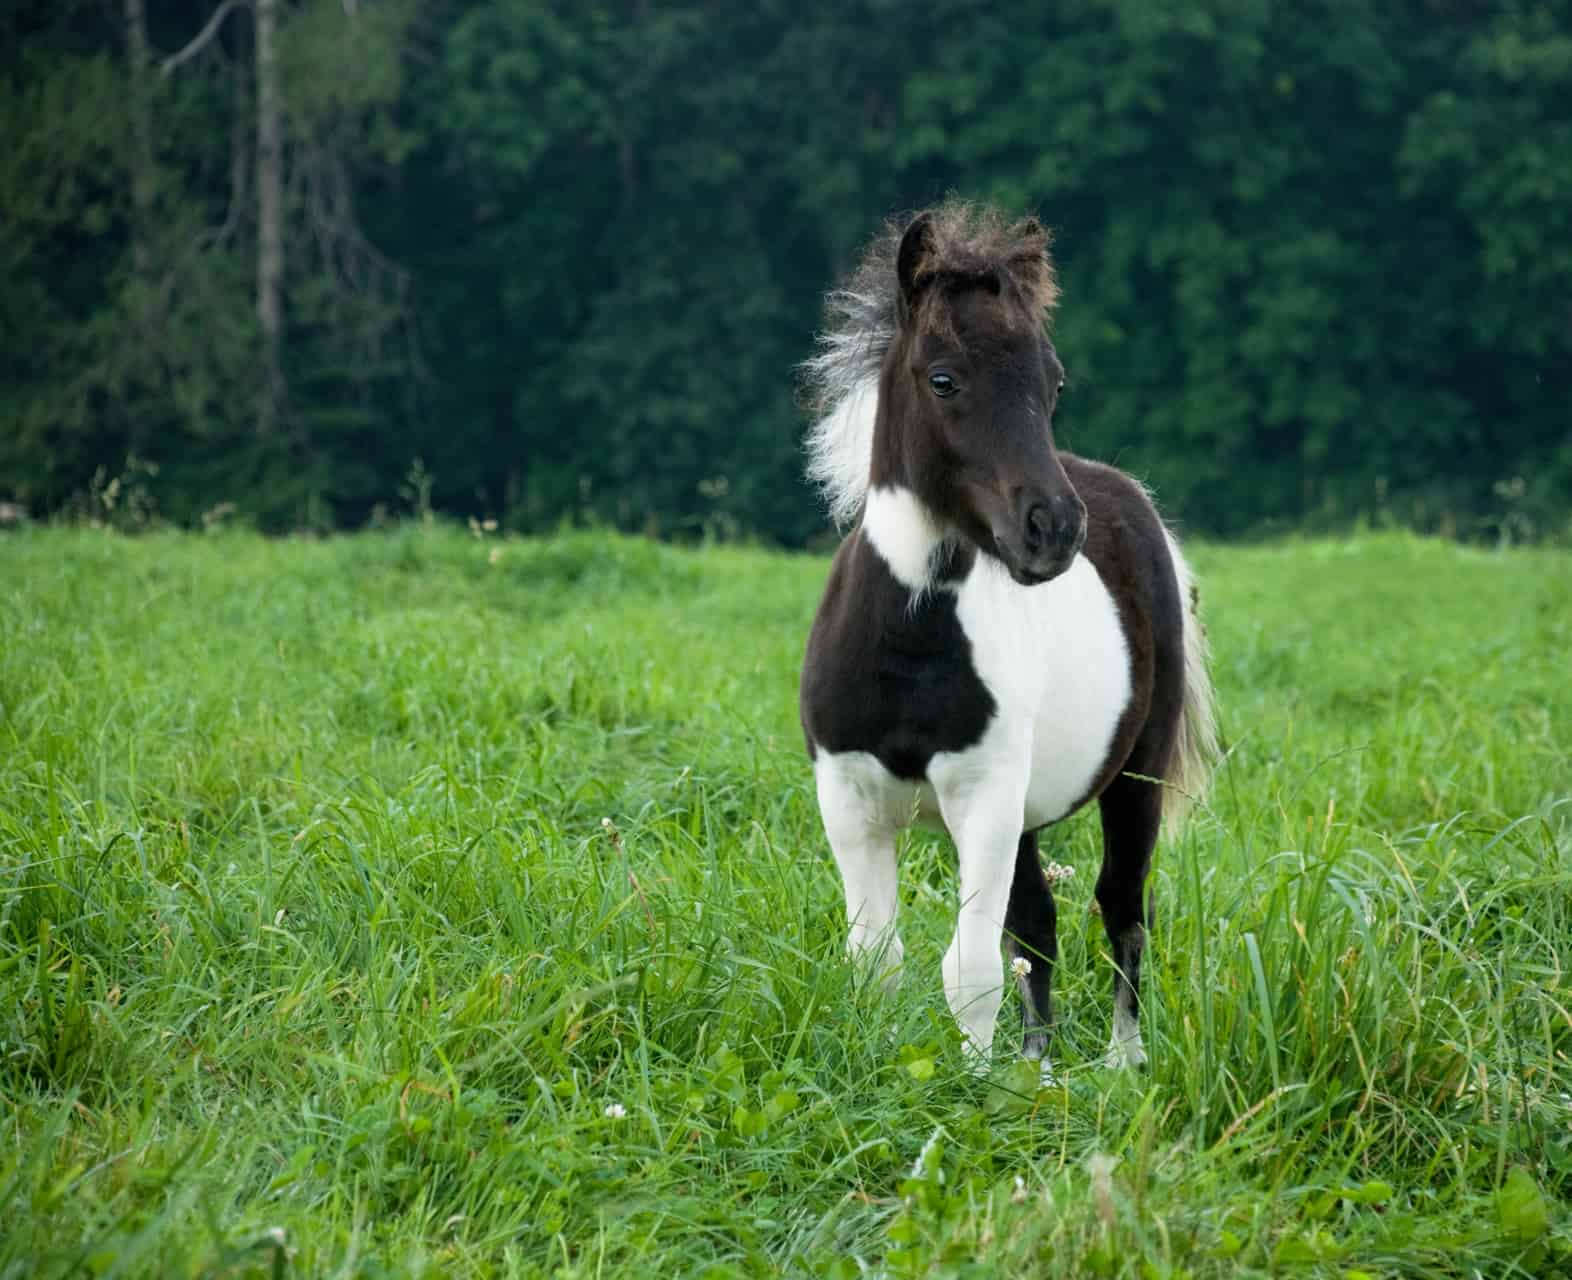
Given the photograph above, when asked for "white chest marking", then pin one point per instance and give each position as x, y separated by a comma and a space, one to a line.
1055, 659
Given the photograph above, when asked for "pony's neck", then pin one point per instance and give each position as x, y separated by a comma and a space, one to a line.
907, 536
902, 529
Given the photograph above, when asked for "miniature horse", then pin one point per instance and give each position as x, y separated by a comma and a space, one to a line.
1008, 633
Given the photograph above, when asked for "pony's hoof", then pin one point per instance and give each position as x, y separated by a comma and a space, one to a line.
1125, 1055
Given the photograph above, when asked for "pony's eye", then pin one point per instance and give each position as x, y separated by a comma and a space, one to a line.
943, 383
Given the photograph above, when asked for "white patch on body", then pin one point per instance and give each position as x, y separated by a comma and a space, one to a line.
1056, 654
905, 535
1055, 661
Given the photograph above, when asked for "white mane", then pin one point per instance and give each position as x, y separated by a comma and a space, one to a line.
840, 449
842, 381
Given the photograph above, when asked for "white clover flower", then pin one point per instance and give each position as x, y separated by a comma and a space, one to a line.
1020, 966
616, 1111
919, 1166
1054, 872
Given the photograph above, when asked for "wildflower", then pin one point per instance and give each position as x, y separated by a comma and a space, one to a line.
1020, 966
920, 1165
616, 1111
1019, 1194
1054, 872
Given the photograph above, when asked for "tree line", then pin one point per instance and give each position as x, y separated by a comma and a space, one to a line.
312, 260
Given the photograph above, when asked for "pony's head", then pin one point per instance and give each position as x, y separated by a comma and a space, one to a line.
968, 387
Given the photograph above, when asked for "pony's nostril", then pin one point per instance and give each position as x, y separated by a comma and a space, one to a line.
1039, 526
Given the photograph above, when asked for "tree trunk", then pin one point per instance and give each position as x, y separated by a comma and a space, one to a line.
141, 140
270, 216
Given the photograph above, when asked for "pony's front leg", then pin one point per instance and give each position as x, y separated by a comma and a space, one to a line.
984, 815
858, 819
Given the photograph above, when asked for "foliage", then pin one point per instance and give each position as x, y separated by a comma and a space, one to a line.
429, 902
1316, 258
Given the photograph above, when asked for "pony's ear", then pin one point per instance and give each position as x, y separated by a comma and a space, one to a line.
910, 259
1031, 264
1033, 239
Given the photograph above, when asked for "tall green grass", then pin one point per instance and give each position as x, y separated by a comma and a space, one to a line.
413, 904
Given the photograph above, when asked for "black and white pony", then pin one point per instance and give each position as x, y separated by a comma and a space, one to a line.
1008, 633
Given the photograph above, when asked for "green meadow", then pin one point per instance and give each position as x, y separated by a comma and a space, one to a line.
423, 904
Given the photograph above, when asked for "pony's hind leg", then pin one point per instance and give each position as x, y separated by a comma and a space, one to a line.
1030, 936
1132, 813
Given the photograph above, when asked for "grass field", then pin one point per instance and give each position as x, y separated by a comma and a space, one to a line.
413, 904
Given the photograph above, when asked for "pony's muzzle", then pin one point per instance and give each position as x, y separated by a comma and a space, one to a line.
1053, 532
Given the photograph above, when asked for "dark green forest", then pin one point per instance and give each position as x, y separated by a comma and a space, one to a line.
308, 262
